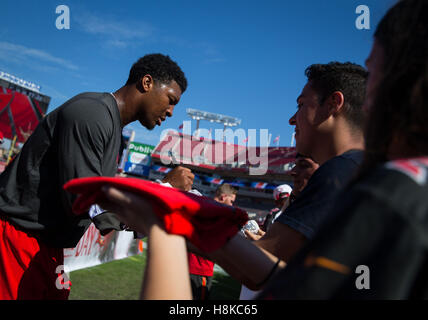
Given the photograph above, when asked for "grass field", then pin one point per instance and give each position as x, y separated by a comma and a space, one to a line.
121, 280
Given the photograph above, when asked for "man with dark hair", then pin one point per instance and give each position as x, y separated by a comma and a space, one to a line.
164, 75
329, 128
346, 78
331, 135
81, 138
160, 68
202, 270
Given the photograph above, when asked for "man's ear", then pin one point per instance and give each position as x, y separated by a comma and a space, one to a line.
146, 83
335, 103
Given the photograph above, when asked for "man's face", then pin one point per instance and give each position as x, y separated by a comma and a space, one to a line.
280, 202
307, 120
301, 172
228, 199
158, 103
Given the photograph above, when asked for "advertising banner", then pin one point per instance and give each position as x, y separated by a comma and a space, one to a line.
138, 158
141, 148
94, 249
137, 169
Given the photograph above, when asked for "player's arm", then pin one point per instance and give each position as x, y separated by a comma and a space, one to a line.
247, 263
282, 241
252, 267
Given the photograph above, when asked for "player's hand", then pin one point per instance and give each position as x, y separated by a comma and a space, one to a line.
132, 210
180, 178
254, 236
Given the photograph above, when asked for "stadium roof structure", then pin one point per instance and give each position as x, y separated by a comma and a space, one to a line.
22, 107
219, 156
19, 114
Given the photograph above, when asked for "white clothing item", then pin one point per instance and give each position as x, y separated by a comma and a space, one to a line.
95, 210
247, 294
282, 189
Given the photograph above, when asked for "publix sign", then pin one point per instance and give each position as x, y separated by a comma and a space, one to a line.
141, 148
139, 153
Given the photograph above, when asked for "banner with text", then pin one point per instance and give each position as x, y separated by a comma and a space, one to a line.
94, 249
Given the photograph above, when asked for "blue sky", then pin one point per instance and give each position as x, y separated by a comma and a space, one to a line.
244, 59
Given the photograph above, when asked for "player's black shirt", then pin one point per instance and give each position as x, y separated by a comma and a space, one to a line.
379, 233
81, 138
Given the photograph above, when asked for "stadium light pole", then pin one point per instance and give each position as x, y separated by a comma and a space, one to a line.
212, 117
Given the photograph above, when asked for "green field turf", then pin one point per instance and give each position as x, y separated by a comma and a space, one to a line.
121, 280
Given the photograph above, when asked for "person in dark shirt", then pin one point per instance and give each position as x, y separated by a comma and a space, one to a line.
81, 138
375, 244
329, 126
